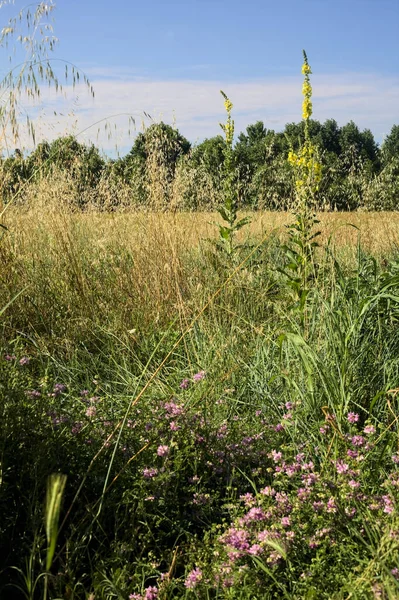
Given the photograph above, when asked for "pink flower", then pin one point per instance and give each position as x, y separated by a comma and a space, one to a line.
286, 521
199, 376
277, 456
353, 417
354, 484
341, 466
255, 549
25, 360
358, 440
91, 411
149, 473
369, 429
395, 458
163, 450
151, 593
184, 384
193, 578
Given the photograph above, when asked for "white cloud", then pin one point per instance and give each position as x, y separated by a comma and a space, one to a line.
196, 106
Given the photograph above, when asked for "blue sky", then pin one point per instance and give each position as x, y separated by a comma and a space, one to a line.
171, 58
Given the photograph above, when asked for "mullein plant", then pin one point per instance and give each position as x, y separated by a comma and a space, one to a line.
229, 210
300, 249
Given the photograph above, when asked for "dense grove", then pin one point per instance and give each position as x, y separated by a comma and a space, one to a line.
163, 170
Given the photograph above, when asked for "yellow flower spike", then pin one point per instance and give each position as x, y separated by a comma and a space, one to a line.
306, 69
228, 105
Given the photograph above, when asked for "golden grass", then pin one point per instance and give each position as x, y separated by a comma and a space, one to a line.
378, 232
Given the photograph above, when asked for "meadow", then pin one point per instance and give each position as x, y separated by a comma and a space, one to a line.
215, 444
197, 405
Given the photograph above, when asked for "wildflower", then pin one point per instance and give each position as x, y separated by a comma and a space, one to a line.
84, 393
193, 578
135, 597
33, 394
341, 466
395, 572
354, 484
353, 417
58, 389
199, 376
331, 506
268, 491
10, 357
76, 427
184, 384
255, 549
150, 472
388, 505
163, 450
255, 514
277, 456
279, 427
25, 360
172, 409
358, 440
173, 426
151, 593
369, 429
201, 499
91, 411
395, 458
286, 521
323, 430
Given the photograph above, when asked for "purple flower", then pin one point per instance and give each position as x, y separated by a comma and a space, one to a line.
172, 409
184, 384
58, 389
174, 426
84, 393
193, 578
33, 394
76, 427
358, 440
279, 427
289, 405
341, 466
150, 472
331, 506
353, 417
388, 505
286, 521
25, 360
369, 429
277, 456
255, 549
91, 411
354, 484
254, 514
163, 450
395, 458
10, 357
151, 593
268, 491
323, 430
135, 597
199, 376
395, 572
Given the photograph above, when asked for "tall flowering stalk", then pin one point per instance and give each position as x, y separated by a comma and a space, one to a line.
228, 211
301, 247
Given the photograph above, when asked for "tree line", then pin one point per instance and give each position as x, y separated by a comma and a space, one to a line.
163, 169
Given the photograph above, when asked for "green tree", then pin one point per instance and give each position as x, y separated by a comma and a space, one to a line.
390, 145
